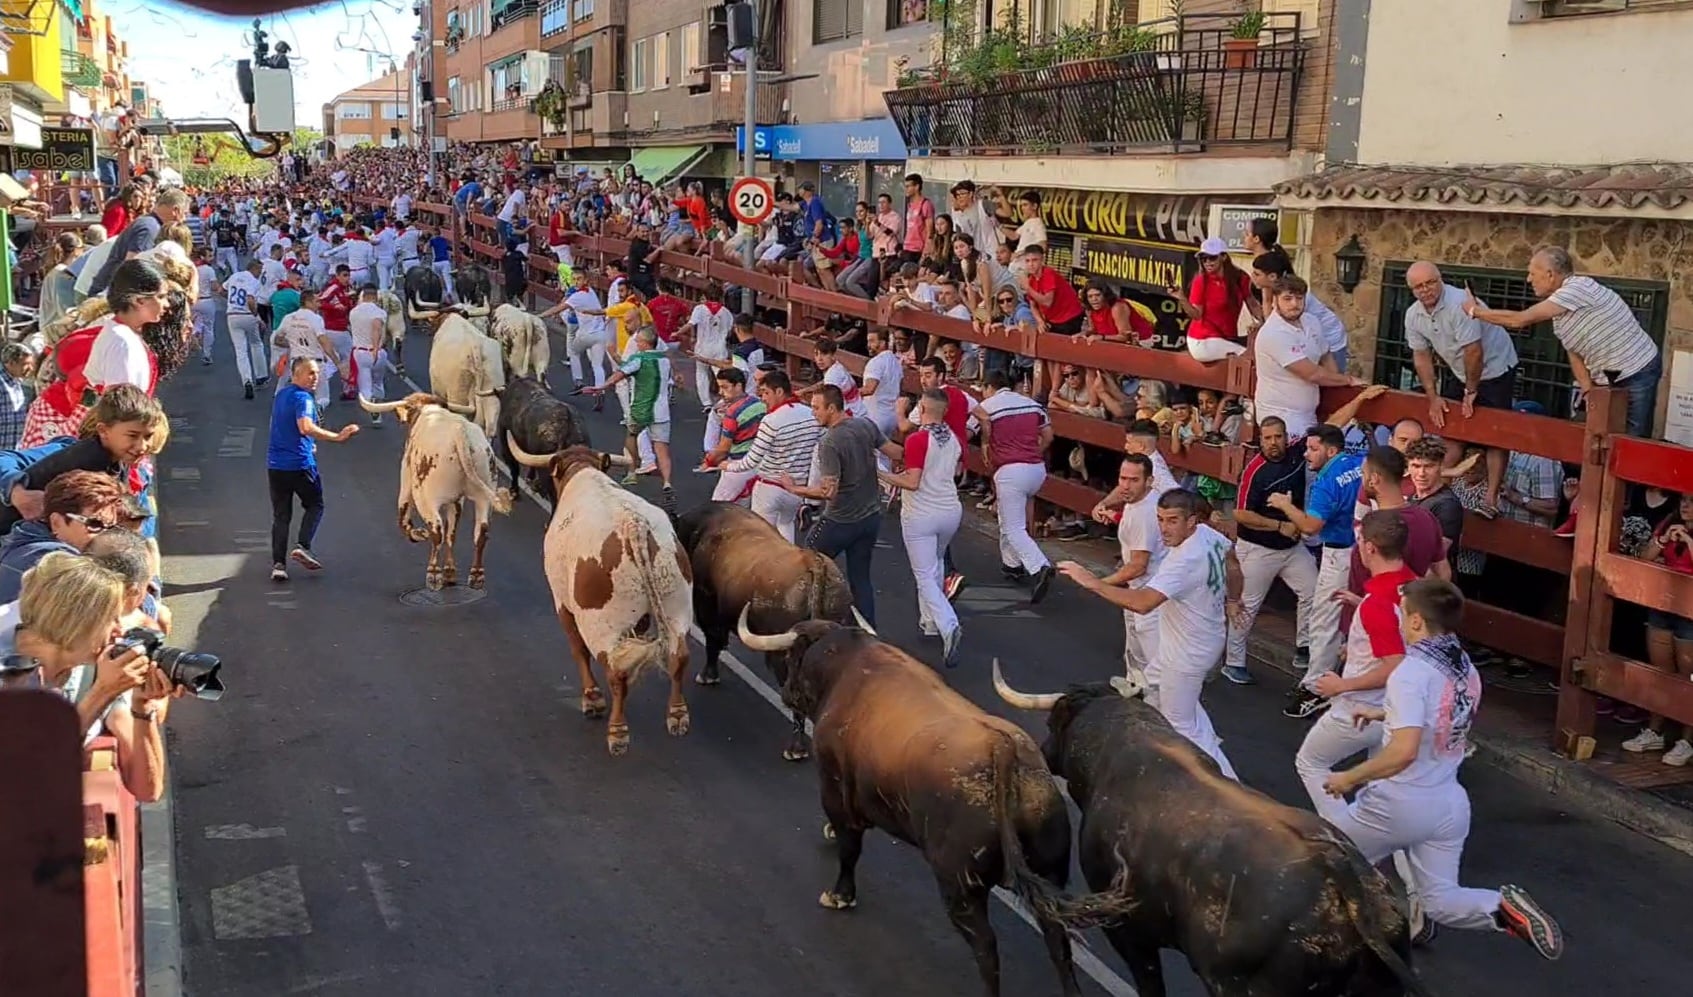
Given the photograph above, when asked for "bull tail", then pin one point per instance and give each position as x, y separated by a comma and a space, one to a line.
632, 653
815, 579
1366, 918
479, 477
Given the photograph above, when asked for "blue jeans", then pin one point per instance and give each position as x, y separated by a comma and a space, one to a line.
857, 541
1642, 389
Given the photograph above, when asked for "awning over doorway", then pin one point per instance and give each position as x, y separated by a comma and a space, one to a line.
661, 164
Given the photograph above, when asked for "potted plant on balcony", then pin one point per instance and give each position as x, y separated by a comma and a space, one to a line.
1240, 48
550, 104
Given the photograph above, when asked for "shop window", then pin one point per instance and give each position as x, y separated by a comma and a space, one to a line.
906, 12
839, 185
1543, 368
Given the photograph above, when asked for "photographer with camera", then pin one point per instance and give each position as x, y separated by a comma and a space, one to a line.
65, 620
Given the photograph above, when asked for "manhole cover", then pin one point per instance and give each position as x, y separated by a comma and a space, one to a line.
452, 595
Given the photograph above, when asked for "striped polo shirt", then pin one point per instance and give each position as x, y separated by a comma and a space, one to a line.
1598, 327
786, 439
1015, 422
740, 423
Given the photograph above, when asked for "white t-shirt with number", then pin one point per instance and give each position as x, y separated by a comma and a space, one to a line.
242, 289
1193, 580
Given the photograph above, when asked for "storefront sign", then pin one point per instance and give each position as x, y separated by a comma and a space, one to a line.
1115, 214
1231, 222
62, 150
1155, 268
873, 140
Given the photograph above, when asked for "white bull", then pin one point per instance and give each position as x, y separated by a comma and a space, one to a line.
465, 368
396, 326
523, 337
621, 582
447, 460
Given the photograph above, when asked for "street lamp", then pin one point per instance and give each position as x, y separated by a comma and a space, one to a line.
1349, 265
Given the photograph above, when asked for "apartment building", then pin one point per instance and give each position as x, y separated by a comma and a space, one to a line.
374, 113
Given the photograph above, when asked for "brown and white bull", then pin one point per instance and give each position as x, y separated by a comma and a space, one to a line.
742, 562
1262, 898
523, 338
447, 460
899, 750
621, 583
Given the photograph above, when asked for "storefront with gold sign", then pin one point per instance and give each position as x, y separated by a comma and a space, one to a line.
63, 150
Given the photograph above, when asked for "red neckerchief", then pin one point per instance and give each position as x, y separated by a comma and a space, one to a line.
714, 306
785, 403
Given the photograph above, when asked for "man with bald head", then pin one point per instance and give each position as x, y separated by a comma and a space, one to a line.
1479, 356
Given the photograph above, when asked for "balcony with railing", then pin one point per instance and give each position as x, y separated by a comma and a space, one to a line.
582, 17
79, 70
1180, 85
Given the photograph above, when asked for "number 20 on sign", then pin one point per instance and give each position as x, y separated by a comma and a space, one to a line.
751, 200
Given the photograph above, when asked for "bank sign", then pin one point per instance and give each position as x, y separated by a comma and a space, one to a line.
876, 139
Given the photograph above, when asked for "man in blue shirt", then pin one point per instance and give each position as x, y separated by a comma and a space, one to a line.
292, 466
1330, 510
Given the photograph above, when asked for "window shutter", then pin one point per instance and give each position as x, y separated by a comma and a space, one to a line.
829, 19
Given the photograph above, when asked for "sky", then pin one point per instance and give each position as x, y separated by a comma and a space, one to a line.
188, 57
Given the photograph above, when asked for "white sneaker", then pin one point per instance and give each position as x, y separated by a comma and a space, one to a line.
1679, 755
1647, 740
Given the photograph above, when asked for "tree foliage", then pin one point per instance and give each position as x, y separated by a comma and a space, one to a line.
226, 159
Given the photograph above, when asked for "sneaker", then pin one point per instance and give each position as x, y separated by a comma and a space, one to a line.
1306, 704
247, 390
1679, 755
1519, 915
1425, 933
1238, 675
928, 629
376, 420
667, 499
1042, 580
278, 573
647, 469
630, 480
953, 585
306, 559
952, 638
205, 361
1013, 574
1647, 740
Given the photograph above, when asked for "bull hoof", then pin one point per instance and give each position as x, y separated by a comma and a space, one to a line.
828, 831
796, 753
617, 740
593, 704
478, 578
834, 901
708, 676
677, 721
416, 536
432, 581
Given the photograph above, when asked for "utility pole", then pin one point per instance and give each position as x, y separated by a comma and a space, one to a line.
749, 165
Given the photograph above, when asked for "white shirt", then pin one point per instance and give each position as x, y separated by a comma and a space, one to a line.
405, 244
840, 377
589, 327
514, 203
402, 204
271, 274
885, 369
1447, 330
1332, 329
1280, 392
1138, 530
242, 290
301, 330
1193, 580
1031, 233
937, 452
786, 441
711, 332
367, 323
208, 280
1422, 694
118, 356
383, 241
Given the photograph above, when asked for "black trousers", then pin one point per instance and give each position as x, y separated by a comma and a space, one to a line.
285, 487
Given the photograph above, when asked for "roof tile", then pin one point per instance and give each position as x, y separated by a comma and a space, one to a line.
1627, 186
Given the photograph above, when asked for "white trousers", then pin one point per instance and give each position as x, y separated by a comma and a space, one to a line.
1430, 825
204, 314
251, 360
384, 274
1140, 646
1324, 616
226, 260
1214, 349
1261, 566
1014, 484
370, 365
776, 506
730, 485
713, 430
1178, 700
1330, 741
444, 269
705, 374
592, 347
926, 536
626, 397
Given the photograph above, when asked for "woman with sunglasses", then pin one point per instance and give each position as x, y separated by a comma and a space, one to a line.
78, 506
1213, 303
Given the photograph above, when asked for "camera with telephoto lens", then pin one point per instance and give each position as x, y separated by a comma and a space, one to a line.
192, 670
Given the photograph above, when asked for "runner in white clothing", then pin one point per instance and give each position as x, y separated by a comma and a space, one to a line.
1198, 580
1408, 795
589, 337
204, 309
242, 293
367, 325
929, 514
1142, 550
883, 376
302, 334
708, 330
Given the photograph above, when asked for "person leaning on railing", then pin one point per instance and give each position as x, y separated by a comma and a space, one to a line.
65, 619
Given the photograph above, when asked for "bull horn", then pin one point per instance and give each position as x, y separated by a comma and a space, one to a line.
1022, 700
418, 316
490, 393
461, 409
863, 624
524, 457
762, 642
377, 408
619, 460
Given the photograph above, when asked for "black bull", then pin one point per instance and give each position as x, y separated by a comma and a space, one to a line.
541, 424
1263, 899
742, 562
899, 750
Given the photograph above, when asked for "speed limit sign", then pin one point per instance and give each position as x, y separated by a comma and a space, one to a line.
751, 200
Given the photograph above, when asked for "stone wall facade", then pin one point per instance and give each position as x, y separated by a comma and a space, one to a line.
1638, 249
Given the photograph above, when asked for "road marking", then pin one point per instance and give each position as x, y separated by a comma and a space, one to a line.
192, 522
355, 823
269, 905
243, 832
383, 895
237, 442
1086, 961
185, 474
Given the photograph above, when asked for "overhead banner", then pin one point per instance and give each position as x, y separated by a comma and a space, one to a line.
63, 150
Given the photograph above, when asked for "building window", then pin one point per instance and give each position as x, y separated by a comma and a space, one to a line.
1577, 8
661, 61
393, 112
1309, 12
581, 10
904, 12
352, 112
455, 95
555, 17
640, 68
1543, 366
834, 20
690, 49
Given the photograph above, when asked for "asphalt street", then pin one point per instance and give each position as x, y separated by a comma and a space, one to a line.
400, 799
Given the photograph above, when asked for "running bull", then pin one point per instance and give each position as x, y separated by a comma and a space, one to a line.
900, 751
540, 423
1263, 899
447, 460
620, 581
475, 293
741, 562
523, 338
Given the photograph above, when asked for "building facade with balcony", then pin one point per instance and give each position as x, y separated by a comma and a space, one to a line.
1142, 130
373, 113
1457, 152
32, 86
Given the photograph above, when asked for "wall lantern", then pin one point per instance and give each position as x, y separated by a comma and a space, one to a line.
1349, 265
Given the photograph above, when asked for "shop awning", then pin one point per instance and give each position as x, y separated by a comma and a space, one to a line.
660, 164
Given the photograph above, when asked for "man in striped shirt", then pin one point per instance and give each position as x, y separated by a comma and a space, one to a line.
785, 443
740, 415
1605, 342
